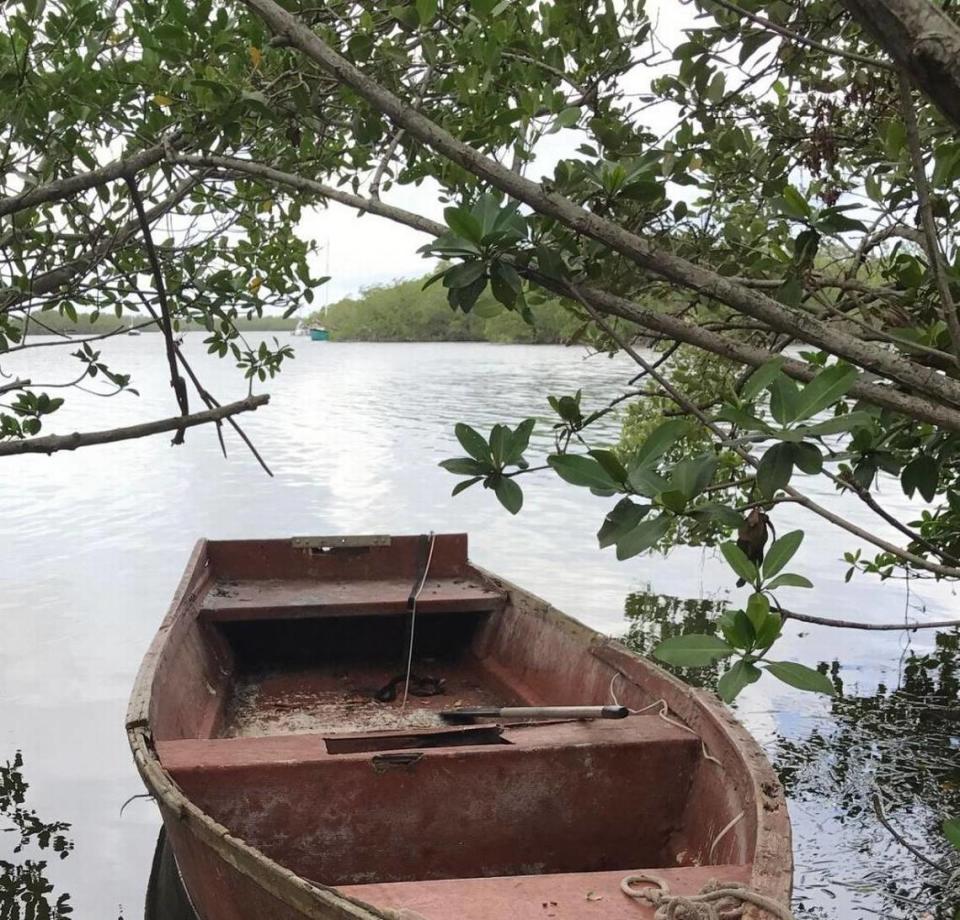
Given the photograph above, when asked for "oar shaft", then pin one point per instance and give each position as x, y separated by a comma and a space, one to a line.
538, 712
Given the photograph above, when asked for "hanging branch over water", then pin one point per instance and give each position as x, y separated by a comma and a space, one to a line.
49, 444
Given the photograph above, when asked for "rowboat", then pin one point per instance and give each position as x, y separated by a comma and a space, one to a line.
351, 728
319, 334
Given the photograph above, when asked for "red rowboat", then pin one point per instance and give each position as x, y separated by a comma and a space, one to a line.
288, 720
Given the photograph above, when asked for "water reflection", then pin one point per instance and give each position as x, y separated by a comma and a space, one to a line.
894, 750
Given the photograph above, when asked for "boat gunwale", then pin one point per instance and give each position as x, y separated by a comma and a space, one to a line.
771, 866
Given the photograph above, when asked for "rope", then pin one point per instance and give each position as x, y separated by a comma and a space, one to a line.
413, 620
716, 900
664, 709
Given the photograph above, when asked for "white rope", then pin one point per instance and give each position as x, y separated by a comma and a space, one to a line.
664, 709
413, 620
720, 836
716, 900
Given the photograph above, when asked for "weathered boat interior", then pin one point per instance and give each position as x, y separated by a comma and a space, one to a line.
265, 711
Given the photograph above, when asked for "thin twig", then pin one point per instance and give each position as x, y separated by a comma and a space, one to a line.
948, 309
856, 624
802, 39
882, 818
398, 136
52, 443
176, 381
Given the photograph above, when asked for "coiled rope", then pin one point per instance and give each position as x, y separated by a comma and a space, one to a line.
716, 900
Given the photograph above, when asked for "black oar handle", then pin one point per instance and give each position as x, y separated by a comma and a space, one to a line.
535, 712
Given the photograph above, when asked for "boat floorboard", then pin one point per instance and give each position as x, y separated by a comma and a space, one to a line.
566, 896
231, 599
340, 698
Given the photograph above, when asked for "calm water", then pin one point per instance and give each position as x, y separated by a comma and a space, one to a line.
93, 544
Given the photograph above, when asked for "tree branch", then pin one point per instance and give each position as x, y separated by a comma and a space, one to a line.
176, 381
922, 40
931, 242
801, 39
645, 254
72, 185
682, 400
663, 323
855, 624
55, 442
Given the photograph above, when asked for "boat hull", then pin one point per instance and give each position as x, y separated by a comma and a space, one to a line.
259, 814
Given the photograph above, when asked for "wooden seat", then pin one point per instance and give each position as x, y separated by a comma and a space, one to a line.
266, 599
538, 798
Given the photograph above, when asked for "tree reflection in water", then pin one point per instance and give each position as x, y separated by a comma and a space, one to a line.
900, 743
24, 888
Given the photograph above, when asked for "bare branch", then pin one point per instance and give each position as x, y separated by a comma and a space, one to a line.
52, 443
176, 381
856, 624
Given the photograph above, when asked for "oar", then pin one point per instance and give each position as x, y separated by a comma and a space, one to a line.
469, 713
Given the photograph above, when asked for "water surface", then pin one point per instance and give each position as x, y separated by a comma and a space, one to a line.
94, 542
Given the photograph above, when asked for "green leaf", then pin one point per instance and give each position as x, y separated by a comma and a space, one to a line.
660, 440
500, 436
738, 561
831, 220
461, 486
769, 631
951, 830
694, 650
740, 675
742, 419
807, 457
611, 464
737, 629
789, 580
567, 118
760, 379
505, 283
781, 552
464, 274
691, 477
775, 469
426, 10
509, 493
646, 482
784, 399
645, 535
581, 471
793, 204
758, 609
472, 442
466, 466
824, 390
835, 425
674, 500
921, 474
464, 224
620, 520
800, 676
519, 440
